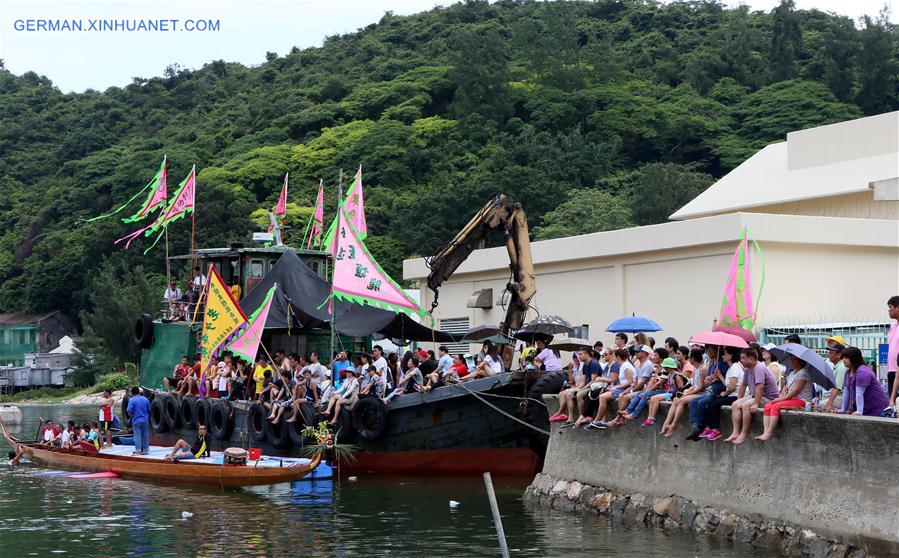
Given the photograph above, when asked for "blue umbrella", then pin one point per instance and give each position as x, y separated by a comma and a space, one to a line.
633, 324
816, 366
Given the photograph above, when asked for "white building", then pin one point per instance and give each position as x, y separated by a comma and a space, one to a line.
823, 205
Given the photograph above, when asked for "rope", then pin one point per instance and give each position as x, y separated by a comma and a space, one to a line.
502, 412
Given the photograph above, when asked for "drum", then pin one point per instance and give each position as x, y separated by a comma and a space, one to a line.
235, 457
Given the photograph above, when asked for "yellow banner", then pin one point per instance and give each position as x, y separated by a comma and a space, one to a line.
222, 319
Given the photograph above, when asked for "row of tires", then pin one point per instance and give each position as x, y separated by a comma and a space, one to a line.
367, 420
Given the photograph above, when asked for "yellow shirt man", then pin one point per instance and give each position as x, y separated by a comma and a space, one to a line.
259, 375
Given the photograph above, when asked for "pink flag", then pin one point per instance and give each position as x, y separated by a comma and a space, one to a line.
358, 277
355, 207
156, 199
736, 307
246, 344
318, 218
281, 208
177, 208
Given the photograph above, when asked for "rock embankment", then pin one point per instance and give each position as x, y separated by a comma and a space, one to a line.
94, 398
673, 512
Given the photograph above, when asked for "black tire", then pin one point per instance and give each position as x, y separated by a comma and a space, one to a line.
370, 418
221, 420
536, 413
157, 416
256, 419
188, 412
143, 331
149, 394
203, 412
126, 418
343, 430
307, 418
172, 411
278, 434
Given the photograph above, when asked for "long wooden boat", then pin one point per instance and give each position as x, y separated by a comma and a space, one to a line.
184, 472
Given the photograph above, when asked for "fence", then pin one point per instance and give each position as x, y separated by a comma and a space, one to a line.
866, 334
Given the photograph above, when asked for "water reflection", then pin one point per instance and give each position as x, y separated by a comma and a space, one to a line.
44, 513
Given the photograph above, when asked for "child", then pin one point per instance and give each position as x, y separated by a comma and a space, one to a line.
94, 436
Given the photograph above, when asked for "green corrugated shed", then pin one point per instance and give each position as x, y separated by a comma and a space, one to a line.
171, 341
15, 341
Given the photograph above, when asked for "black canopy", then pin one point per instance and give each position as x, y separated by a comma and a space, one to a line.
300, 297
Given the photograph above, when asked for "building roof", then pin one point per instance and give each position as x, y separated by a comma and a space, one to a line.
764, 227
832, 160
23, 318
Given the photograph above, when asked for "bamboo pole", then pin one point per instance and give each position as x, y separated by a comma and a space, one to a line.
497, 519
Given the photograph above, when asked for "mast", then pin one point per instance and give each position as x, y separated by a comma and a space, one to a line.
334, 243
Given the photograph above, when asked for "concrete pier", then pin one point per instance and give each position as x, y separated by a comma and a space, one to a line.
833, 474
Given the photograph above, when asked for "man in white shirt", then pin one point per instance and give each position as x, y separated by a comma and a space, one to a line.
317, 369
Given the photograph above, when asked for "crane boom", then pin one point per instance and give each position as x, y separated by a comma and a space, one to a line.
498, 213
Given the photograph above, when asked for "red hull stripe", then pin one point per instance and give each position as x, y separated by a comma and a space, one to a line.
507, 461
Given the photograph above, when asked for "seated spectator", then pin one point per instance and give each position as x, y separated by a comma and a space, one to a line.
706, 379
238, 380
460, 368
863, 394
411, 381
281, 395
318, 370
699, 407
172, 296
181, 370
264, 395
674, 388
759, 387
589, 369
568, 396
775, 367
444, 363
492, 364
182, 450
657, 386
344, 398
710, 412
683, 361
835, 362
50, 433
627, 376
796, 393
376, 386
93, 436
645, 362
551, 361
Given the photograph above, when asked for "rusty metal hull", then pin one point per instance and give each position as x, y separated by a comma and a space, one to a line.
448, 431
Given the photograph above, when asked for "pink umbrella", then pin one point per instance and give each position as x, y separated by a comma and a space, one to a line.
743, 334
719, 338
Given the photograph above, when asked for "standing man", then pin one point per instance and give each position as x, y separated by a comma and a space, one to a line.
318, 370
378, 360
173, 298
197, 284
105, 417
893, 351
139, 409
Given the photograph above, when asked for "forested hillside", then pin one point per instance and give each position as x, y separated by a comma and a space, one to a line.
596, 115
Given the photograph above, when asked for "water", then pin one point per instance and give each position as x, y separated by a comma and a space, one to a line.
42, 515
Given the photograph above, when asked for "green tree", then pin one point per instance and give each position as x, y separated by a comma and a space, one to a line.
585, 211
480, 72
878, 66
117, 295
660, 189
786, 40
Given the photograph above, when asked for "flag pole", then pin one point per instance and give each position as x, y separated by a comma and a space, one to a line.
193, 218
333, 306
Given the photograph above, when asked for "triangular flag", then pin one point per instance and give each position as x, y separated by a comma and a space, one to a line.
355, 209
357, 276
246, 344
281, 208
157, 196
181, 204
737, 307
155, 183
222, 319
318, 218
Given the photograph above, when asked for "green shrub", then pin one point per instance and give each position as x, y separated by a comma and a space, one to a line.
114, 382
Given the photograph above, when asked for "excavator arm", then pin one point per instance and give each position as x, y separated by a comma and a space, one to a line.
497, 214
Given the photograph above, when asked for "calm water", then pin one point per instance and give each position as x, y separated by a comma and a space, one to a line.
44, 515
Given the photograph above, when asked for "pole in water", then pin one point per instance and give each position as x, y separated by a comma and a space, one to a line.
497, 520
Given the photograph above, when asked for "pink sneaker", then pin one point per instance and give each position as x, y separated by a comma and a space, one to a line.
649, 422
714, 435
705, 433
558, 417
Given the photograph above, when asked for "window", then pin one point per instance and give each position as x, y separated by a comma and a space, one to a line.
256, 269
455, 326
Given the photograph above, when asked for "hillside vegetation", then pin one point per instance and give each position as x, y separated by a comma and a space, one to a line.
596, 115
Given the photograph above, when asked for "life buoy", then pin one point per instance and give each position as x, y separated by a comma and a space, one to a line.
343, 430
277, 433
126, 418
295, 429
157, 416
172, 411
143, 331
256, 419
535, 412
221, 423
188, 412
203, 411
370, 418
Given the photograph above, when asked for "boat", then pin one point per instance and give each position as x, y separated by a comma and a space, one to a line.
196, 472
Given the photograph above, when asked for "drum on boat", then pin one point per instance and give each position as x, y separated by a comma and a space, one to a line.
235, 457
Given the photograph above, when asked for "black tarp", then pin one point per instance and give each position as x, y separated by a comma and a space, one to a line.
300, 295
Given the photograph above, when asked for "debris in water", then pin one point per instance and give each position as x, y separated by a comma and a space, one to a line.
186, 515
352, 479
454, 504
